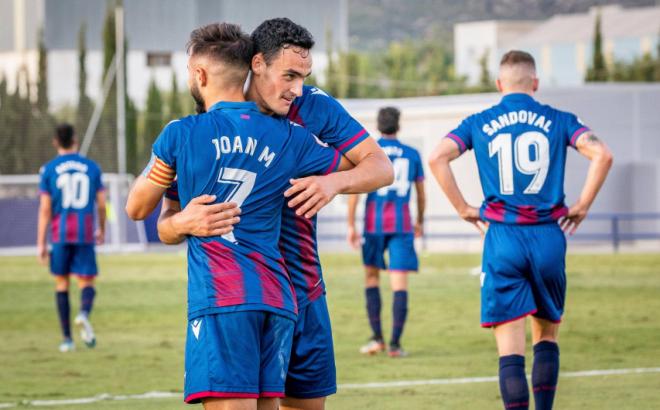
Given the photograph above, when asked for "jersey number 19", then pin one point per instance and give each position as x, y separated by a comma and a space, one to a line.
519, 153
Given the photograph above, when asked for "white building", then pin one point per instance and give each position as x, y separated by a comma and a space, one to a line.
156, 32
561, 45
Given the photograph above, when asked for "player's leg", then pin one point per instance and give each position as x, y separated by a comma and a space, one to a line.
214, 403
373, 259
403, 260
506, 299
60, 268
549, 285
510, 338
311, 376
84, 266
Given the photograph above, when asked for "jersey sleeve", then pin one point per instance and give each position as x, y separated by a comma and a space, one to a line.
574, 128
43, 181
419, 168
172, 193
161, 169
462, 135
314, 156
335, 125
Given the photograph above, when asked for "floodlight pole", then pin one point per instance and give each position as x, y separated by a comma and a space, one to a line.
121, 90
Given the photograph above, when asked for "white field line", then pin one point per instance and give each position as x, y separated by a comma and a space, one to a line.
376, 385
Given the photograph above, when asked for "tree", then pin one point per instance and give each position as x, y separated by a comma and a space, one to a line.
175, 110
485, 81
42, 79
153, 119
598, 69
85, 105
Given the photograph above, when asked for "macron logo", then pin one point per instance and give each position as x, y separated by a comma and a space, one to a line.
196, 327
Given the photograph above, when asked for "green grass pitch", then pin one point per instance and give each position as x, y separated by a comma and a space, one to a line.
612, 321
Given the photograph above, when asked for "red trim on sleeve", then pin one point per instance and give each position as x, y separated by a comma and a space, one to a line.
343, 146
461, 145
577, 133
334, 165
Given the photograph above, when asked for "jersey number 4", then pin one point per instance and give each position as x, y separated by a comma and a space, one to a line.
401, 182
519, 153
243, 182
75, 189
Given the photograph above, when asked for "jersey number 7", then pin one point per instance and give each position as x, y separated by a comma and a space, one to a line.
243, 182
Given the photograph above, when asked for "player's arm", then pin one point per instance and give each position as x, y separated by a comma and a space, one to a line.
372, 170
143, 198
601, 160
439, 161
45, 215
101, 211
201, 217
421, 207
352, 236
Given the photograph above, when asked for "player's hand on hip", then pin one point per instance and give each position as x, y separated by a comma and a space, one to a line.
573, 219
353, 238
310, 194
471, 215
42, 254
202, 217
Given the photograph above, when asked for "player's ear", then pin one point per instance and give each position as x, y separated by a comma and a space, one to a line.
535, 84
498, 83
201, 76
258, 63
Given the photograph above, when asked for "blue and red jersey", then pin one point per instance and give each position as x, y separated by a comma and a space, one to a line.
325, 117
240, 155
520, 148
72, 182
387, 210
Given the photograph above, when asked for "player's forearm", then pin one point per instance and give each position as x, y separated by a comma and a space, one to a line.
372, 172
143, 198
598, 169
352, 207
167, 230
42, 226
421, 201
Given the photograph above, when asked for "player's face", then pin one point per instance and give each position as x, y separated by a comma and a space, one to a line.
281, 81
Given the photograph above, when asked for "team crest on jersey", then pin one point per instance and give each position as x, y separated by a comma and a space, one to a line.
196, 326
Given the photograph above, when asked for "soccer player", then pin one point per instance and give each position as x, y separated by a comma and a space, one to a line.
281, 62
388, 227
241, 305
520, 146
71, 188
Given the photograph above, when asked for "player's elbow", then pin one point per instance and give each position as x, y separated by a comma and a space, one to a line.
605, 157
437, 158
134, 211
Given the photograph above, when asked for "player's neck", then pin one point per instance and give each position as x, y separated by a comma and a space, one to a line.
518, 91
388, 136
226, 95
67, 151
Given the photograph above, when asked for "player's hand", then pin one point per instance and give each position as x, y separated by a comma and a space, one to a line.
42, 254
419, 230
310, 194
353, 238
203, 218
573, 219
471, 215
99, 236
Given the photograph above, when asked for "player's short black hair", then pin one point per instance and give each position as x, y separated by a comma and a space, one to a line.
224, 42
388, 120
64, 135
275, 34
515, 57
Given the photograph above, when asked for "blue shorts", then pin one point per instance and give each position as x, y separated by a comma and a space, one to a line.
237, 355
312, 370
401, 247
71, 258
524, 273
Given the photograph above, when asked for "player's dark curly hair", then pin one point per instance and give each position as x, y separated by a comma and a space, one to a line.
224, 42
274, 34
388, 120
64, 135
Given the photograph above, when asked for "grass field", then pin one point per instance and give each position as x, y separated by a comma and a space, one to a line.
612, 322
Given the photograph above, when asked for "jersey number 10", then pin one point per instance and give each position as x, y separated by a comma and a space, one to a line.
75, 189
519, 153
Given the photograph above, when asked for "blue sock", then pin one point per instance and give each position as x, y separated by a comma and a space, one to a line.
63, 311
545, 373
373, 311
87, 299
513, 383
399, 313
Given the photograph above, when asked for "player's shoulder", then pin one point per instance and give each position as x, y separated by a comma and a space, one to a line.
313, 95
410, 150
183, 124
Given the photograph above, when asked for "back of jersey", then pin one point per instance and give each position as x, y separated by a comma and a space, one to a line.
387, 210
72, 182
520, 148
241, 156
